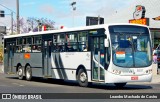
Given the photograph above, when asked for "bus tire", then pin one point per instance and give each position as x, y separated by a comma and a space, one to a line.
120, 85
82, 78
28, 73
20, 73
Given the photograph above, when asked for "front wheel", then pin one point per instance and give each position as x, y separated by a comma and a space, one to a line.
120, 85
28, 73
20, 73
82, 78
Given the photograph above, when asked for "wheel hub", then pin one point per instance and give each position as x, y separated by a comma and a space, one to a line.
83, 77
20, 72
28, 74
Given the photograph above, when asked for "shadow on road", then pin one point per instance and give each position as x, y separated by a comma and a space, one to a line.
92, 85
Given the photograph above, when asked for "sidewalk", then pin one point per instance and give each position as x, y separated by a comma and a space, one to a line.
156, 79
156, 76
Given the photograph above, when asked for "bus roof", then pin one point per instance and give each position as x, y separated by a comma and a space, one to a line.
68, 30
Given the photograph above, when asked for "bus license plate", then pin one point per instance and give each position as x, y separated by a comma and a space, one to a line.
134, 78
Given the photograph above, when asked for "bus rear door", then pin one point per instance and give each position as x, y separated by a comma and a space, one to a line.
10, 52
46, 57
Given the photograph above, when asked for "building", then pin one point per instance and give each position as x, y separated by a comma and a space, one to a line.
152, 11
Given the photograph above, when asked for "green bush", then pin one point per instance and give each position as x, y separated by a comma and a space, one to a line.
1, 54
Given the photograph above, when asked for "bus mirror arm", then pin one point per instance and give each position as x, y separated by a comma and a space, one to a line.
106, 43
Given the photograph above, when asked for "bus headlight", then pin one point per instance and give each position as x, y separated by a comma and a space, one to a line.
149, 71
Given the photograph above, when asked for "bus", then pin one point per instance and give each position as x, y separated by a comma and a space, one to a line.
108, 53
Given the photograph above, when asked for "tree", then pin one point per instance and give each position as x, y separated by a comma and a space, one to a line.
33, 24
36, 24
1, 53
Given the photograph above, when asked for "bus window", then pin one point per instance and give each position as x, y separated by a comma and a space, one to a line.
82, 41
36, 48
71, 42
37, 40
19, 41
27, 48
58, 43
18, 48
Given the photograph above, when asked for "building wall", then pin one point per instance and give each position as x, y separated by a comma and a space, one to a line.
155, 38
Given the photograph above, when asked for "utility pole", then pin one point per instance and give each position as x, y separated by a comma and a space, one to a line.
18, 26
98, 19
74, 9
11, 22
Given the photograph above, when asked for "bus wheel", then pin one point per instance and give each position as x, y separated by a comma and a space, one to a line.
82, 78
28, 73
20, 73
120, 85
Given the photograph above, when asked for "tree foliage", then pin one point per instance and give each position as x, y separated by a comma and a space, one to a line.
1, 53
34, 24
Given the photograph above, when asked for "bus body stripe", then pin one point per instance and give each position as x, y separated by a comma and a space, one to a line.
62, 66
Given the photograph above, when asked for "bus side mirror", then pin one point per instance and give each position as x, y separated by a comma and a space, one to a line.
106, 43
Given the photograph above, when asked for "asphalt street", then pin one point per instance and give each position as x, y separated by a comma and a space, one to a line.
11, 84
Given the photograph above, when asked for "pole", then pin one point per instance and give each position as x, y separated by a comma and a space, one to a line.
98, 19
11, 22
74, 9
73, 17
18, 26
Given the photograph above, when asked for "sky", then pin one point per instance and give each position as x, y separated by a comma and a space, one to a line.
61, 12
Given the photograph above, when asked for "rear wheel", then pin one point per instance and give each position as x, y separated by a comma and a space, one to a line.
28, 73
120, 85
82, 78
20, 73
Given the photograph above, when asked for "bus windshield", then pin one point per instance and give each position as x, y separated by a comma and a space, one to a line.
131, 46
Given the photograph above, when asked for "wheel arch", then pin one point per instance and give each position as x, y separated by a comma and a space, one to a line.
80, 67
19, 64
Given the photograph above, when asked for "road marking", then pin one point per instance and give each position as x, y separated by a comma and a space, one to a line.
17, 84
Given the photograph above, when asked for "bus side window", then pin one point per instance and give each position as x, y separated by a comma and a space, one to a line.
58, 43
71, 42
82, 41
18, 48
36, 48
27, 48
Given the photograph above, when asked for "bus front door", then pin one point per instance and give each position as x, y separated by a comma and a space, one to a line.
98, 57
10, 52
47, 58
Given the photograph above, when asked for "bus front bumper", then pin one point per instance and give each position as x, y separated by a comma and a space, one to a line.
114, 78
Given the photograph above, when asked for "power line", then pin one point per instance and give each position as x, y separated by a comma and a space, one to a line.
8, 8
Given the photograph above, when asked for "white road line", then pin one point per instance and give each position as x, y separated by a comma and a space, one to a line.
17, 84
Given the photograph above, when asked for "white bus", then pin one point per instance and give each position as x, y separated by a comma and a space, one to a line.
109, 53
